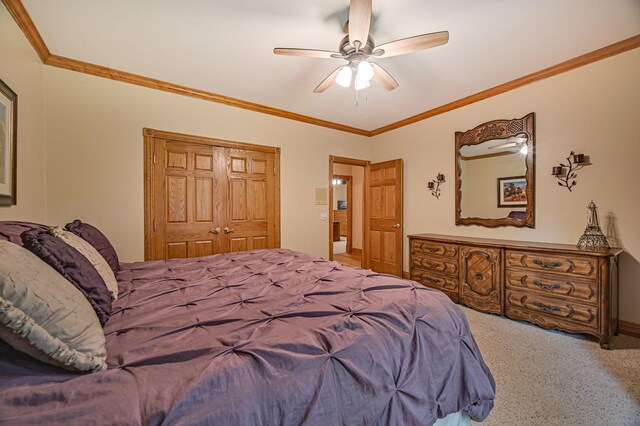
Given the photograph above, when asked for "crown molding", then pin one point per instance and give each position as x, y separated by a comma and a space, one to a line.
22, 18
578, 61
126, 77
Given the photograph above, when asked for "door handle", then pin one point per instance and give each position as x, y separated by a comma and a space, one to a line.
215, 231
397, 225
228, 230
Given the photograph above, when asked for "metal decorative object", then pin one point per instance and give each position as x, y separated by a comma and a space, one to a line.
434, 185
575, 162
593, 239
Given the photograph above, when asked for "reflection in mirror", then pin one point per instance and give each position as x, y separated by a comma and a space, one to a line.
493, 178
495, 183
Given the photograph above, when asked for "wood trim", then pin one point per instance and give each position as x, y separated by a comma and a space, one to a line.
356, 251
405, 275
22, 18
629, 328
138, 80
577, 62
349, 180
353, 162
495, 154
203, 140
350, 161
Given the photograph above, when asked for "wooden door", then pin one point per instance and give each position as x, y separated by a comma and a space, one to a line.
383, 217
187, 216
481, 282
251, 222
206, 196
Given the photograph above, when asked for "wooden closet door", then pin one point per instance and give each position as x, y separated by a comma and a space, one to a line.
251, 201
383, 232
187, 186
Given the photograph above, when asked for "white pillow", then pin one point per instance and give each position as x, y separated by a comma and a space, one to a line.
45, 316
92, 255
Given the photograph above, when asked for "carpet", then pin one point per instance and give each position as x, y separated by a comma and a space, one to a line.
553, 378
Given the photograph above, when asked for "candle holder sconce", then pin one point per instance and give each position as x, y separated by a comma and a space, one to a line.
566, 173
434, 185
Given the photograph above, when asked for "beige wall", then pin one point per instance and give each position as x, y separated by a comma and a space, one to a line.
593, 110
21, 70
480, 183
95, 155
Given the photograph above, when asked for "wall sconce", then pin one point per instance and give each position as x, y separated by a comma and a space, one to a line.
434, 185
567, 178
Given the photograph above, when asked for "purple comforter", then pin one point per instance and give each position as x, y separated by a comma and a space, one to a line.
261, 338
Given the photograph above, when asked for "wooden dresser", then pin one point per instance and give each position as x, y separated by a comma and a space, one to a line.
554, 286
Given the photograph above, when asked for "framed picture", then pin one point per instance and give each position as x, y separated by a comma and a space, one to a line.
8, 144
512, 191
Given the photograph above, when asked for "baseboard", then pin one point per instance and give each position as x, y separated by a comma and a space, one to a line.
629, 328
356, 251
405, 275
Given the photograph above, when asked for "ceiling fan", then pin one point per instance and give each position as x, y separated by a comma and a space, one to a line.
519, 143
358, 48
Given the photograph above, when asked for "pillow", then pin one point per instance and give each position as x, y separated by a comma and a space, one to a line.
11, 230
73, 266
97, 239
43, 315
92, 255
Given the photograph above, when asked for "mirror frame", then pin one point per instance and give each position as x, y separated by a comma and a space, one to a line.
499, 129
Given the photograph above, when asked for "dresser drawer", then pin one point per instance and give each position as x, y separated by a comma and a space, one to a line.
553, 285
434, 248
557, 263
443, 265
553, 308
441, 282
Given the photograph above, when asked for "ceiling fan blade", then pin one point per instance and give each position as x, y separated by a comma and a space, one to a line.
359, 21
309, 53
327, 81
383, 78
412, 44
505, 145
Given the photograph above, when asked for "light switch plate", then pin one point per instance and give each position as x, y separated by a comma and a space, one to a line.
324, 216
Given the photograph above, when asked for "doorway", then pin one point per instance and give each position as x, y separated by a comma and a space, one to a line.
346, 212
376, 222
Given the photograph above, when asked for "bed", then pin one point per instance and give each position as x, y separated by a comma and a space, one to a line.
259, 338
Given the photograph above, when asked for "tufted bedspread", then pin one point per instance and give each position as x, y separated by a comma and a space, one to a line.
261, 338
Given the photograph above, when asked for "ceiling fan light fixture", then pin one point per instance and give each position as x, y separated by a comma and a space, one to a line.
344, 76
365, 71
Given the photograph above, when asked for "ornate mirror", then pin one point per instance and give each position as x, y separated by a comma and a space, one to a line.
495, 178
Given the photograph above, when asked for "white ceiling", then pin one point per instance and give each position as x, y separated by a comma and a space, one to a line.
226, 47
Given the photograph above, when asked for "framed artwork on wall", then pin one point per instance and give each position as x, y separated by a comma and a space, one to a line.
8, 144
512, 191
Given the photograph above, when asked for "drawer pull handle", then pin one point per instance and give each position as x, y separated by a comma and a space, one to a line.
479, 276
547, 265
546, 287
544, 307
431, 249
432, 265
431, 280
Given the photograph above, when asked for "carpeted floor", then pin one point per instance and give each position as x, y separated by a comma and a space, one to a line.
553, 378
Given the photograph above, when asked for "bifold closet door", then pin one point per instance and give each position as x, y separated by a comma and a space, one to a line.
209, 197
251, 212
188, 186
